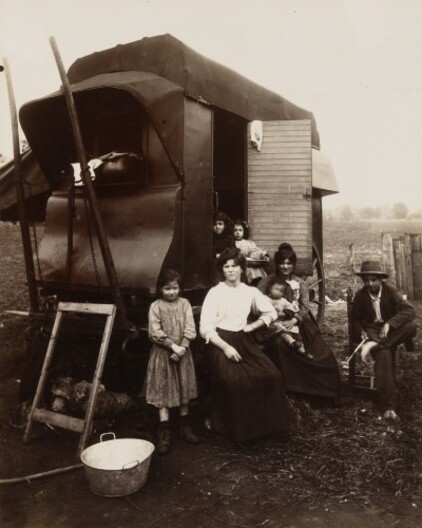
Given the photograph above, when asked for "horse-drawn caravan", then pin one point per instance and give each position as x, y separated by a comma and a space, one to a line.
179, 137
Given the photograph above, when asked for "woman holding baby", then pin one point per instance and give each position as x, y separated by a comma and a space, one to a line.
316, 372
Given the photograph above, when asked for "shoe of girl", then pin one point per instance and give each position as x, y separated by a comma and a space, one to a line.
164, 440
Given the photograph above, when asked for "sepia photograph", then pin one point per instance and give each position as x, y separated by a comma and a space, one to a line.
210, 263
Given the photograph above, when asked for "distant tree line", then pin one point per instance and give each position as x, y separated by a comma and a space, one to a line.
397, 211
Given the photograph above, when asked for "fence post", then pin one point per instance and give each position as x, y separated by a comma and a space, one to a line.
352, 265
402, 266
388, 257
408, 266
416, 248
398, 248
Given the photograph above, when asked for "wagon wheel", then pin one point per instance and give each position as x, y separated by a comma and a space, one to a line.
316, 287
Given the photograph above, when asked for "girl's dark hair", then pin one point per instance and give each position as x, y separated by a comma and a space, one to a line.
231, 253
166, 276
245, 226
285, 251
220, 216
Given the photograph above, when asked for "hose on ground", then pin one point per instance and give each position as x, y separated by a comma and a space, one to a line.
28, 478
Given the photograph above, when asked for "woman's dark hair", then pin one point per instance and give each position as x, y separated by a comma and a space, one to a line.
285, 251
166, 276
245, 226
231, 253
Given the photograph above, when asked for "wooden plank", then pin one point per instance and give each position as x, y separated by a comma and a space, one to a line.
280, 165
296, 173
278, 194
269, 187
297, 148
287, 125
280, 186
270, 206
281, 160
91, 308
266, 221
290, 174
388, 257
402, 268
274, 148
288, 133
275, 153
44, 373
271, 126
58, 420
396, 251
279, 191
89, 416
399, 264
288, 224
416, 250
301, 238
408, 265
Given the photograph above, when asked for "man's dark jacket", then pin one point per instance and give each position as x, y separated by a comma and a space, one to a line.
395, 310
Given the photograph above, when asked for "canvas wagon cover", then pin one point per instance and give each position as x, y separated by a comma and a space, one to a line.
170, 59
201, 78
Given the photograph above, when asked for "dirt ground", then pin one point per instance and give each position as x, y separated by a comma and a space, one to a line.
341, 466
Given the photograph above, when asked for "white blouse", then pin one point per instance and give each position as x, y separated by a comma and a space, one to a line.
228, 308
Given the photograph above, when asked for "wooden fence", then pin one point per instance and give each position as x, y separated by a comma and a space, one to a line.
402, 258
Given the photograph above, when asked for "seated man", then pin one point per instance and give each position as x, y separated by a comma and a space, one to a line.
385, 319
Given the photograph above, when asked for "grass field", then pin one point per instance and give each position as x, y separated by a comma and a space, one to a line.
340, 467
366, 239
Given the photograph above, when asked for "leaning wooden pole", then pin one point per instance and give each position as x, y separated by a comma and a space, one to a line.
99, 226
20, 195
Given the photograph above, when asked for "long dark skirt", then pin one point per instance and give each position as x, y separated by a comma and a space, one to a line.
319, 376
248, 398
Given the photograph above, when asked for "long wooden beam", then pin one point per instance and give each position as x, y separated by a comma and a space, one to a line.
20, 196
85, 173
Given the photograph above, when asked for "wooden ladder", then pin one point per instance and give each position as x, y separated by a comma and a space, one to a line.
78, 425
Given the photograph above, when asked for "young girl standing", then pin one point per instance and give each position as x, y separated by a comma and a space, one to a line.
170, 380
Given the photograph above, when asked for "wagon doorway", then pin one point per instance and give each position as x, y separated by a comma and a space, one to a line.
229, 162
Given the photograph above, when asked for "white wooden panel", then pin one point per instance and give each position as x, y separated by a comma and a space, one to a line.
279, 187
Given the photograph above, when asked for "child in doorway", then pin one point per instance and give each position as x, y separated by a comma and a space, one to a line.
285, 311
253, 254
222, 233
170, 379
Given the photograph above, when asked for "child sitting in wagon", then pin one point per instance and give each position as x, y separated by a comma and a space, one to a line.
285, 311
254, 255
222, 236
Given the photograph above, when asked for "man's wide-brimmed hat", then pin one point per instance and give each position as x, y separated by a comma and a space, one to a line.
372, 267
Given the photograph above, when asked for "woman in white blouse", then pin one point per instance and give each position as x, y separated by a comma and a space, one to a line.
248, 397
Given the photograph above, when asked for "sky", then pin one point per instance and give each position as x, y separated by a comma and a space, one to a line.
356, 64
